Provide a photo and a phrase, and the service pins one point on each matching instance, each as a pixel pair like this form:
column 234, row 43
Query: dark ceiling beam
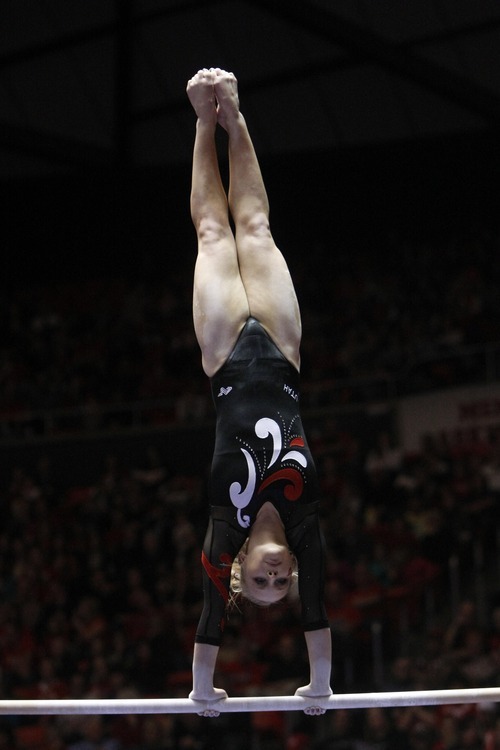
column 361, row 42
column 60, row 44
column 304, row 71
column 454, row 33
column 106, row 30
column 99, row 31
column 53, row 149
column 123, row 40
column 63, row 151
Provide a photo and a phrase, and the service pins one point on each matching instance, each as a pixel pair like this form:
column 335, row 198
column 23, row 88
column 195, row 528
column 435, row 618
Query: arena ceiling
column 102, row 82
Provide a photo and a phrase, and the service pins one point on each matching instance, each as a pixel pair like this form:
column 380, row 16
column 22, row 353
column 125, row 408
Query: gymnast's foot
column 200, row 91
column 226, row 94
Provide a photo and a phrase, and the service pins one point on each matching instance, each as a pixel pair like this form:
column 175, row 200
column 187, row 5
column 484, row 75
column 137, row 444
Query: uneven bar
column 249, row 704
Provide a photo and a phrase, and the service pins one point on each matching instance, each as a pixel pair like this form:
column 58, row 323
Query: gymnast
column 264, row 522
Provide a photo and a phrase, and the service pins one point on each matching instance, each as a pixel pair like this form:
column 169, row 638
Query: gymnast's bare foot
column 226, row 94
column 200, row 91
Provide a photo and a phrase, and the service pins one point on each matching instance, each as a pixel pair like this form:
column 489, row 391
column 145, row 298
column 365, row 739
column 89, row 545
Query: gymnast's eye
column 281, row 582
column 260, row 581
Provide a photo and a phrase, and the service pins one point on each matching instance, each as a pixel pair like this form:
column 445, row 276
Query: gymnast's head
column 265, row 569
column 264, row 573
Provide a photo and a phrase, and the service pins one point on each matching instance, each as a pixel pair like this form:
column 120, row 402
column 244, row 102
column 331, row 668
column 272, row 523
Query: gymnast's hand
column 308, row 692
column 209, row 696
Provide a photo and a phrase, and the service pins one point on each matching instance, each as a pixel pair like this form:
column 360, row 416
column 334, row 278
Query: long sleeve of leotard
column 307, row 544
column 222, row 543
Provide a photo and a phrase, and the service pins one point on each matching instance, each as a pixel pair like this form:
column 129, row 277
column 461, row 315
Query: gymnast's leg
column 220, row 305
column 264, row 272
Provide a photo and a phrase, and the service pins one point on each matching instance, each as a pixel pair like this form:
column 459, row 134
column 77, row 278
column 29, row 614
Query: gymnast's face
column 267, row 572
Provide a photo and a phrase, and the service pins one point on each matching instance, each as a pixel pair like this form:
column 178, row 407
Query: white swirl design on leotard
column 240, row 498
column 295, row 456
column 265, row 427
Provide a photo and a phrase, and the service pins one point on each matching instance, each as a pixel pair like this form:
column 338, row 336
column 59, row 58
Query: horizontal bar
column 248, row 704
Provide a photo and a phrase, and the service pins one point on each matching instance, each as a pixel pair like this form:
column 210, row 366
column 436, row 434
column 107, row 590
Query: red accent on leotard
column 215, row 574
column 293, row 490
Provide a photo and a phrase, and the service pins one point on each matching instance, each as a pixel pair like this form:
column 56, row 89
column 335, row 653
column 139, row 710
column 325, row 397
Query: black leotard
column 260, row 455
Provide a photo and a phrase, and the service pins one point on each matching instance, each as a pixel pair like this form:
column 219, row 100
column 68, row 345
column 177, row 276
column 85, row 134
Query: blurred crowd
column 101, row 584
column 101, row 593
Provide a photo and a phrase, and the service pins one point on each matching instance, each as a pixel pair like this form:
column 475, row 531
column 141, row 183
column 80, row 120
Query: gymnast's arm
column 319, row 649
column 308, row 544
column 204, row 660
column 222, row 543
